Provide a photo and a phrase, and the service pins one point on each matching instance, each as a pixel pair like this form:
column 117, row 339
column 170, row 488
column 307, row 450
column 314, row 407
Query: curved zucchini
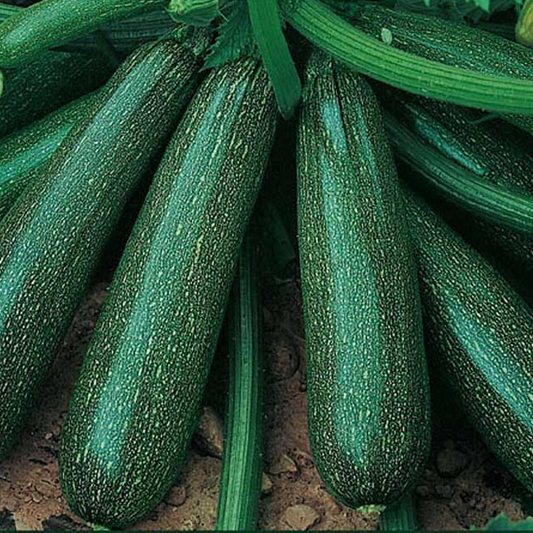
column 51, row 23
column 240, row 485
column 368, row 394
column 478, row 334
column 452, row 44
column 137, row 401
column 54, row 80
column 53, row 237
column 22, row 154
column 454, row 133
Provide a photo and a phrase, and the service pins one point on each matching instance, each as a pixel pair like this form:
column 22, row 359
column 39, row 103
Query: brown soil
column 462, row 486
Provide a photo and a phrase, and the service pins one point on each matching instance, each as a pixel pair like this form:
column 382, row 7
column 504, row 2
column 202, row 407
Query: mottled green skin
column 453, row 44
column 51, row 241
column 368, row 397
column 478, row 333
column 480, row 148
column 23, row 153
column 138, row 397
column 52, row 23
column 52, row 81
column 448, row 42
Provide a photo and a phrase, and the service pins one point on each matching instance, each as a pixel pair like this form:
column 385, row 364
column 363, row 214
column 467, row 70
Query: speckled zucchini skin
column 51, row 241
column 52, row 81
column 23, row 153
column 52, row 23
column 137, row 400
column 478, row 333
column 368, row 396
column 479, row 147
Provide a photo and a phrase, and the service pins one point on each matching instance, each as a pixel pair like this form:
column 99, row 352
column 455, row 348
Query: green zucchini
column 240, row 485
column 52, row 81
column 368, row 393
column 51, row 23
column 53, row 237
column 125, row 35
column 137, row 400
column 481, row 198
column 444, row 41
column 452, row 44
column 478, row 333
column 454, row 133
column 23, row 153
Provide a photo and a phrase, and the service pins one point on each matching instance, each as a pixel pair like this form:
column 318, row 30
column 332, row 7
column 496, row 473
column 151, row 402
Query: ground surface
column 462, row 485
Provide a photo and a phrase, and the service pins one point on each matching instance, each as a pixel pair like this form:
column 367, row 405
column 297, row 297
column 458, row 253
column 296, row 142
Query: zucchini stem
column 401, row 516
column 274, row 50
column 240, row 485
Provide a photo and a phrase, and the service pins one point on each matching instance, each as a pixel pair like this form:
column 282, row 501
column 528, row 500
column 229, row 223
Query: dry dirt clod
column 266, row 485
column 450, row 462
column 300, row 517
column 444, row 491
column 176, row 496
column 209, row 436
column 283, row 465
column 423, row 491
column 282, row 359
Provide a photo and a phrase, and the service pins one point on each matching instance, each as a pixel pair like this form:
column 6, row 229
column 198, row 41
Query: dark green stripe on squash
column 478, row 333
column 52, row 240
column 368, row 395
column 138, row 397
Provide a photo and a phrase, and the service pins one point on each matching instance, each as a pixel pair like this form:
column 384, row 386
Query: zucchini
column 138, row 397
column 446, row 177
column 474, row 147
column 23, row 153
column 451, row 44
column 368, row 393
column 240, row 485
column 54, row 80
column 478, row 333
column 51, row 23
column 53, row 237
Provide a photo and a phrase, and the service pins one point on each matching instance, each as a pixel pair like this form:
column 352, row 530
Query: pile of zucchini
column 415, row 233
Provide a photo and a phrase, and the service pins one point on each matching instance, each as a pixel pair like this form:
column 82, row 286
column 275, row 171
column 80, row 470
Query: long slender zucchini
column 368, row 394
column 240, row 485
column 51, row 23
column 23, row 153
column 480, row 197
column 454, row 134
column 452, row 44
column 125, row 35
column 52, row 81
column 138, row 397
column 53, row 237
column 478, row 334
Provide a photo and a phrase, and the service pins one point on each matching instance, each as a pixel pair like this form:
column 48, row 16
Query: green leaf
column 502, row 523
column 235, row 35
column 268, row 32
